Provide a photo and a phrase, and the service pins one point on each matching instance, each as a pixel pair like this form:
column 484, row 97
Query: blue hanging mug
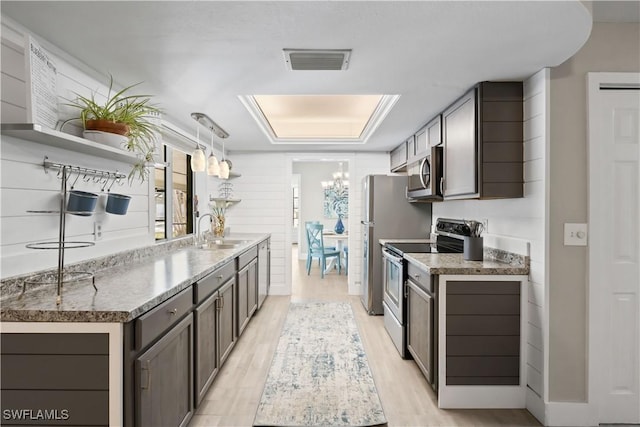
column 81, row 203
column 117, row 204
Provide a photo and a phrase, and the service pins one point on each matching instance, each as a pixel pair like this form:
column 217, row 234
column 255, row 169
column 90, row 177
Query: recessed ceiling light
column 319, row 119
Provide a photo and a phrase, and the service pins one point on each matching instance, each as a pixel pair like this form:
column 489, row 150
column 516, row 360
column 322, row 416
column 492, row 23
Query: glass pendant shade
column 224, row 170
column 198, row 160
column 212, row 165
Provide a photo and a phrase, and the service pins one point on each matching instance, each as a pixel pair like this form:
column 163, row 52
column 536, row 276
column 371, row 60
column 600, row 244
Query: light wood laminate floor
column 406, row 397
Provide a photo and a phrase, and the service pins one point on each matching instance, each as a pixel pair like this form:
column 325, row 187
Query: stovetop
column 410, row 247
column 450, row 234
column 442, row 247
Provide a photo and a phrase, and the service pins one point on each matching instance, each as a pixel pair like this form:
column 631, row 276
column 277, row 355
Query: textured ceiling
column 201, row 55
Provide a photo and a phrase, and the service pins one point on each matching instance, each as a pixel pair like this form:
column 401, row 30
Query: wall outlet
column 97, row 230
column 575, row 234
column 485, row 225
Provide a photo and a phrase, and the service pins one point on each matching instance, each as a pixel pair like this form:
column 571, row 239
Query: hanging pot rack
column 65, row 171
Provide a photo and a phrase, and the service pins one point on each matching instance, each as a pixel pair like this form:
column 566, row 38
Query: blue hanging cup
column 81, row 202
column 117, row 204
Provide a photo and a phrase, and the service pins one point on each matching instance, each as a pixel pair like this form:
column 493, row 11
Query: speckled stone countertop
column 124, row 292
column 455, row 264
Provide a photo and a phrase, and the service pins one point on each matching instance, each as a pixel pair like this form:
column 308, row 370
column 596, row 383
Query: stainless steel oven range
column 450, row 234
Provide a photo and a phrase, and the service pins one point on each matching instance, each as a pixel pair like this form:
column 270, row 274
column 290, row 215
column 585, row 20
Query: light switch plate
column 575, row 234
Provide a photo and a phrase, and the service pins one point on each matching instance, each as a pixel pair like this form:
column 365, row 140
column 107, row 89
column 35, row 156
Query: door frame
column 597, row 229
column 348, row 159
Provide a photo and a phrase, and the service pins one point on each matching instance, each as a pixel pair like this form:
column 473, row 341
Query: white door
column 614, row 246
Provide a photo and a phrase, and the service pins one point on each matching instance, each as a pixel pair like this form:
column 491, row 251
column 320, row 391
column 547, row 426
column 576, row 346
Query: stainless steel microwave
column 425, row 176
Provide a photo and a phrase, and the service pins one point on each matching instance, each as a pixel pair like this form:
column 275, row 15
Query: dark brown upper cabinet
column 429, row 136
column 398, row 158
column 483, row 143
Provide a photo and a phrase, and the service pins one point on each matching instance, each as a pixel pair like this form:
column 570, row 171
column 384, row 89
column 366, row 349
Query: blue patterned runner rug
column 319, row 375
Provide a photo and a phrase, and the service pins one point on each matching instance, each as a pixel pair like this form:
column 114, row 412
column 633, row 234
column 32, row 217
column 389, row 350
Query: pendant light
column 224, row 166
column 212, row 162
column 198, row 158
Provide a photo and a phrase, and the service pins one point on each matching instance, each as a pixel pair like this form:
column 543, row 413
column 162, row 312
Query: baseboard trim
column 569, row 414
column 279, row 289
column 535, row 405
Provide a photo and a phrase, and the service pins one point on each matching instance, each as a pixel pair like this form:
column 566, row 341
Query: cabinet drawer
column 420, row 277
column 207, row 285
column 246, row 257
column 151, row 324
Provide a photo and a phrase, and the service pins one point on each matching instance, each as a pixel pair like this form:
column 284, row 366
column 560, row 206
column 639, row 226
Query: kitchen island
column 145, row 346
column 474, row 349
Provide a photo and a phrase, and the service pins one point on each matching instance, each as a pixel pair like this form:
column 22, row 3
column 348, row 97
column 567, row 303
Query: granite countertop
column 124, row 292
column 455, row 264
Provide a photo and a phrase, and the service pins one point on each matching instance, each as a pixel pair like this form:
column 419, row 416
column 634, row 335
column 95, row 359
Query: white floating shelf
column 224, row 203
column 43, row 135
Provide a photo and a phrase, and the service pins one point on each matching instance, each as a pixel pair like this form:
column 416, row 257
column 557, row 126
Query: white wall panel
column 26, row 186
column 265, row 191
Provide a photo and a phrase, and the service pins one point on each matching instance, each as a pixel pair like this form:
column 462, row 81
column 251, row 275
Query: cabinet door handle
column 173, row 312
column 146, row 368
column 416, row 275
column 442, row 186
column 222, row 302
column 421, row 173
column 220, row 276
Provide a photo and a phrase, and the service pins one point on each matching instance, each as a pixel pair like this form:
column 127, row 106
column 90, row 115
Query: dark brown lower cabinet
column 55, row 379
column 243, row 297
column 252, row 288
column 247, row 294
column 171, row 356
column 483, row 333
column 164, row 379
column 226, row 320
column 420, row 328
column 206, row 355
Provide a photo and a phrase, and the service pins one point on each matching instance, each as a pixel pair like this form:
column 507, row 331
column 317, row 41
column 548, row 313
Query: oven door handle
column 394, row 259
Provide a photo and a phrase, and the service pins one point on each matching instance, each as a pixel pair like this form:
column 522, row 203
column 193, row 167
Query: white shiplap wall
column 25, row 185
column 524, row 219
column 265, row 190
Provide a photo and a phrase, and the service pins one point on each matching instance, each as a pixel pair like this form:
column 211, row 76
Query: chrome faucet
column 199, row 230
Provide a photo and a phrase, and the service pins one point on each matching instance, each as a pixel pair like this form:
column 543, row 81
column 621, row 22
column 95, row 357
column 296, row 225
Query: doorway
column 317, row 198
column 614, row 246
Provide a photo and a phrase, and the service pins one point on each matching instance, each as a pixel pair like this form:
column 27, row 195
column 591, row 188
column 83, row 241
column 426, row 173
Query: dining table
column 331, row 237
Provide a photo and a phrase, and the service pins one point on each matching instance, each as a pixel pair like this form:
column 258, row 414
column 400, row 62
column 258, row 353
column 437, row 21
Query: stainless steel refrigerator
column 386, row 215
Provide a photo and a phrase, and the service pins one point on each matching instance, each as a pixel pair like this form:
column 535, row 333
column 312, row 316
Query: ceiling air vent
column 317, row 59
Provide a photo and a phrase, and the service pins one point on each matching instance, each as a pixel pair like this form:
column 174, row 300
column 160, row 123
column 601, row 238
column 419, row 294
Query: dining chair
column 316, row 249
column 345, row 249
column 306, row 223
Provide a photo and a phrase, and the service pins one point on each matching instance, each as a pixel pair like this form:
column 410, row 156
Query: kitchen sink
column 222, row 244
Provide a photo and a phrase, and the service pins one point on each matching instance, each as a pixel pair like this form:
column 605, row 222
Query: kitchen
column 558, row 371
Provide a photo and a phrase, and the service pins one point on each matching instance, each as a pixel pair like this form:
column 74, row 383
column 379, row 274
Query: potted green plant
column 122, row 113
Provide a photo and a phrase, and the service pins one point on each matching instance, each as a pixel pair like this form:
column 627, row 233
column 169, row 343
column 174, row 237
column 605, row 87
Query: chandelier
column 340, row 181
